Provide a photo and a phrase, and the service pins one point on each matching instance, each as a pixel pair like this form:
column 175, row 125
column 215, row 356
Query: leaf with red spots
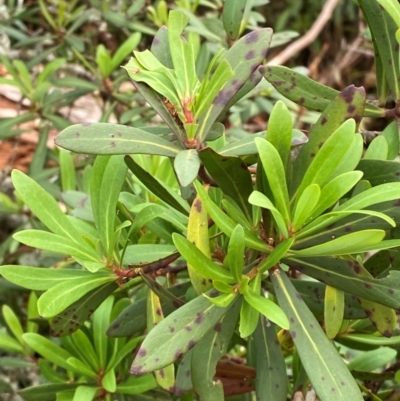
column 76, row 314
column 176, row 334
column 254, row 47
column 206, row 354
column 232, row 176
column 113, row 139
column 270, row 364
column 386, row 48
column 133, row 318
column 350, row 276
column 305, row 91
column 348, row 104
column 184, row 375
column 382, row 317
column 328, row 373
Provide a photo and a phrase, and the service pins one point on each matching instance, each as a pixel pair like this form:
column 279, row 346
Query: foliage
column 278, row 249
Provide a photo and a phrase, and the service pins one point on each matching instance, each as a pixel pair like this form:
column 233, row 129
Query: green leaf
column 187, row 165
column 225, row 223
column 231, row 175
column 107, row 178
column 232, row 16
column 75, row 315
column 48, row 350
column 280, row 129
column 197, row 233
column 10, row 344
column 334, row 190
column 85, row 393
column 81, row 367
column 244, row 57
column 46, row 392
column 39, row 278
column 113, row 139
column 378, row 149
column 333, row 311
column 357, row 242
column 142, row 254
column 259, row 199
column 248, row 319
column 275, row 172
column 372, row 360
column 391, row 134
column 328, row 156
column 349, row 276
column 160, row 47
column 348, row 104
column 276, row 255
column 137, row 385
column 200, row 262
column 180, row 332
column 267, row 308
column 157, row 187
column 379, row 171
column 125, row 49
column 305, row 91
column 308, row 200
column 235, row 255
column 13, row 323
column 324, row 366
column 371, row 339
column 206, row 354
column 383, row 30
column 34, row 196
column 269, row 363
column 183, row 56
column 53, row 242
column 64, row 294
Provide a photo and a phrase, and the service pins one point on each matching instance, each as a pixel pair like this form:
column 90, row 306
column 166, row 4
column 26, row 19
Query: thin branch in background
column 309, row 37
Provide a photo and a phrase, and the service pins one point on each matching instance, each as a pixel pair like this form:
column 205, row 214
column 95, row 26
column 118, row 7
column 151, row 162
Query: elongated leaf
column 160, row 47
column 232, row 16
column 183, row 375
column 275, row 172
column 105, row 186
column 235, row 255
column 371, row 360
column 40, row 279
column 46, row 392
column 349, row 276
column 197, row 233
column 268, row 308
column 156, row 187
column 379, row 171
column 180, row 332
column 269, row 363
column 133, row 318
column 113, row 139
column 391, row 134
column 276, row 255
column 206, row 354
column 328, row 157
column 333, row 311
column 348, row 104
column 52, row 242
column 139, row 385
column 62, row 295
column 254, row 47
column 200, row 262
column 10, row 344
column 225, row 223
column 357, row 242
column 383, row 317
column 324, row 366
column 75, row 315
column 308, row 200
column 305, row 91
column 187, row 165
column 34, row 196
column 378, row 149
column 249, row 317
column 143, row 254
column 232, row 176
column 383, row 30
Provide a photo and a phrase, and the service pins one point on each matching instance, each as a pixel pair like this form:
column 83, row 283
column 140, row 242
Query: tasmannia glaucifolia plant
column 276, row 249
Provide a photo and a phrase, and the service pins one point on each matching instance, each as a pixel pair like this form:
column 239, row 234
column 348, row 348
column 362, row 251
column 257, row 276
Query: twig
column 309, row 37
